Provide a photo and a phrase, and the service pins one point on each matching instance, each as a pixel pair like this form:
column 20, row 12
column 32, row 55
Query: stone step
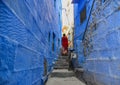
column 60, row 67
column 79, row 70
column 61, row 62
column 63, row 57
column 57, row 74
column 62, row 73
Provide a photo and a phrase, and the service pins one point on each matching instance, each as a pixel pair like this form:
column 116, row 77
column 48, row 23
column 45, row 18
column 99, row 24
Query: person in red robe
column 64, row 44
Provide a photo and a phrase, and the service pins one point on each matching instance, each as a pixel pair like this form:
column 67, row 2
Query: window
column 45, row 67
column 53, row 42
column 53, row 46
column 58, row 42
column 49, row 37
column 83, row 15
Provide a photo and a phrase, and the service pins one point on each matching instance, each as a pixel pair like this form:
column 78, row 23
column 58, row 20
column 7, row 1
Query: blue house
column 97, row 40
column 82, row 11
column 30, row 37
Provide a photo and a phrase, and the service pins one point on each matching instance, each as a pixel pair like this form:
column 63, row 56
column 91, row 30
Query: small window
column 58, row 42
column 45, row 67
column 53, row 46
column 53, row 43
column 49, row 37
column 83, row 15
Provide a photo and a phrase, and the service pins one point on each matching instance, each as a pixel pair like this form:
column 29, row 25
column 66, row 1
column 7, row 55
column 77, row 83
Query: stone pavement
column 63, row 77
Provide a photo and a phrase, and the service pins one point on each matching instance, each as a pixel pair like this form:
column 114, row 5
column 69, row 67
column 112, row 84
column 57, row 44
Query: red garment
column 65, row 42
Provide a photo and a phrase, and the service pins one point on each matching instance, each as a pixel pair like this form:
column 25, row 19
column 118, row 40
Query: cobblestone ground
column 63, row 77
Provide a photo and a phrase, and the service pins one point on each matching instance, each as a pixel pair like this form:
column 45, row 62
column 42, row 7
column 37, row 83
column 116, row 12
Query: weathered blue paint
column 24, row 30
column 80, row 27
column 101, row 43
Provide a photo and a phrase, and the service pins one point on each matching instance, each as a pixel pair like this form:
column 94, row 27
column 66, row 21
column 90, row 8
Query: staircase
column 61, row 75
column 62, row 63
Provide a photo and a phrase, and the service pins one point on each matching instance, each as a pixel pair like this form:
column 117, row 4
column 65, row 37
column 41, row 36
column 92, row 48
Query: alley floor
column 63, row 77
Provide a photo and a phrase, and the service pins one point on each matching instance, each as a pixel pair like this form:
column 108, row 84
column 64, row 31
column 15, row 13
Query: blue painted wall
column 25, row 26
column 101, row 43
column 79, row 28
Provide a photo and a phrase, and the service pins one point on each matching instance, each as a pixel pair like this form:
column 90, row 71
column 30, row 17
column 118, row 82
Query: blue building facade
column 97, row 40
column 30, row 37
column 80, row 26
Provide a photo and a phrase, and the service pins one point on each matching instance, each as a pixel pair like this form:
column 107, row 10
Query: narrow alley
column 59, row 42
